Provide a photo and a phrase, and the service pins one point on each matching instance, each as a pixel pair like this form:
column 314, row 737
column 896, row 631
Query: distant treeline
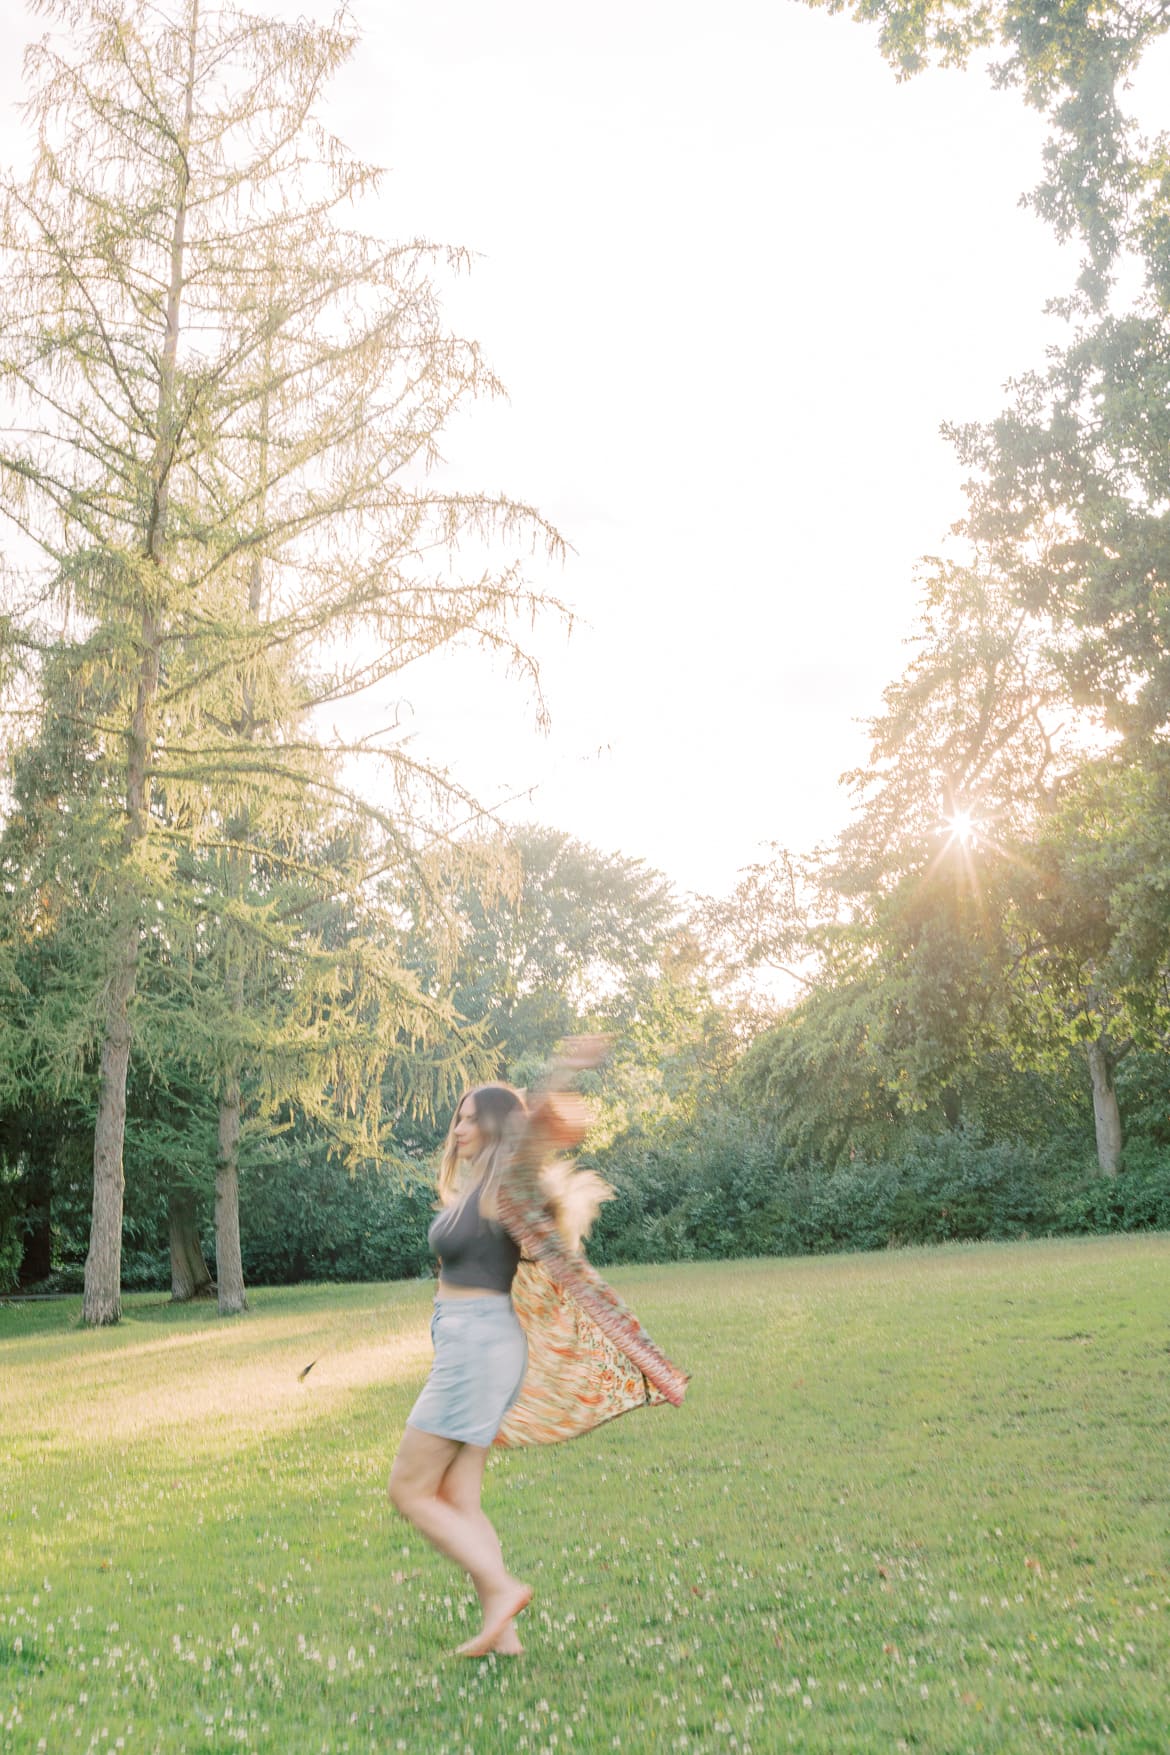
column 723, row 1188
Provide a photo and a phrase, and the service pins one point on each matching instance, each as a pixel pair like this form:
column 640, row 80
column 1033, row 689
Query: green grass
column 913, row 1501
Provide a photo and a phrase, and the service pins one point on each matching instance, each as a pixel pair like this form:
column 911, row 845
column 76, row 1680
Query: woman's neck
column 473, row 1172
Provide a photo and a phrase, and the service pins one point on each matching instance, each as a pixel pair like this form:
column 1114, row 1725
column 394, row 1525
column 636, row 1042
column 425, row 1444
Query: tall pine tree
column 223, row 401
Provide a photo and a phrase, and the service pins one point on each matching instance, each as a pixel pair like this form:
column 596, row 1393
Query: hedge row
column 725, row 1194
column 716, row 1195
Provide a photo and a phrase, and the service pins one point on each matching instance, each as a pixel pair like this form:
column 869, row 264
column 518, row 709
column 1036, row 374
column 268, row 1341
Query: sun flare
column 961, row 827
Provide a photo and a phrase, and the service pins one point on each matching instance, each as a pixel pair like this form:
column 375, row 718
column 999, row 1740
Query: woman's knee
column 422, row 1460
column 401, row 1491
column 456, row 1497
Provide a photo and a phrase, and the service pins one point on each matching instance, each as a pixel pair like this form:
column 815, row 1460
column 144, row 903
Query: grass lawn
column 914, row 1501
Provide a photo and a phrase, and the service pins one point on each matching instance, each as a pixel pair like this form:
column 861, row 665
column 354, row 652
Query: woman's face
column 468, row 1137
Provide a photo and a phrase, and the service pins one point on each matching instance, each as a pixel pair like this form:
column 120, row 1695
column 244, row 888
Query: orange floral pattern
column 589, row 1358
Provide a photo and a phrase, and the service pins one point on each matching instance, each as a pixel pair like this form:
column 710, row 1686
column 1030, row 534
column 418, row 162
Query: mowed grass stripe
column 914, row 1500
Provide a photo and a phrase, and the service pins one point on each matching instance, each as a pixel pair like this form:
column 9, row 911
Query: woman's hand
column 555, row 1109
column 578, row 1054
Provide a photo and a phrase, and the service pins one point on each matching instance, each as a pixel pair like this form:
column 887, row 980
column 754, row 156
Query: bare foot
column 498, row 1610
column 508, row 1644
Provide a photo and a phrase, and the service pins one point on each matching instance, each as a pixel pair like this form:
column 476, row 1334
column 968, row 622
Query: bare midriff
column 443, row 1290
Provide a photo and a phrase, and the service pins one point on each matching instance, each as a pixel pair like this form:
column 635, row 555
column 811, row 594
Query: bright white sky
column 734, row 277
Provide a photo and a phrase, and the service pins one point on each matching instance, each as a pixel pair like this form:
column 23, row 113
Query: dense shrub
column 11, row 1228
column 1137, row 1199
column 715, row 1191
column 729, row 1190
column 953, row 1186
column 700, row 1194
column 304, row 1218
column 312, row 1221
column 1143, row 1088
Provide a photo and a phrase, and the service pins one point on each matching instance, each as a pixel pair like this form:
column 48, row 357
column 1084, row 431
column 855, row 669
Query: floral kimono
column 589, row 1358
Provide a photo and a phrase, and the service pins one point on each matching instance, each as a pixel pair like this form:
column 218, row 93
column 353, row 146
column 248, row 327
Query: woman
column 480, row 1359
column 591, row 1358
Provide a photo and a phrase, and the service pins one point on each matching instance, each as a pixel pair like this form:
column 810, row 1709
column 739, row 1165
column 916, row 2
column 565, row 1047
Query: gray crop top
column 473, row 1251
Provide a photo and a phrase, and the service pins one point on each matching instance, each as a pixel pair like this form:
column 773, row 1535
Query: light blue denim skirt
column 481, row 1356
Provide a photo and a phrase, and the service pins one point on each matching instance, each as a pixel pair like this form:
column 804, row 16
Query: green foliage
column 306, row 1216
column 1143, row 1081
column 1072, row 63
column 1068, row 499
column 169, row 1142
column 722, row 1188
column 311, row 1221
column 818, row 1080
column 563, row 934
column 1137, row 1199
column 673, row 1047
column 11, row 1228
column 732, row 1190
column 577, row 941
column 1001, row 895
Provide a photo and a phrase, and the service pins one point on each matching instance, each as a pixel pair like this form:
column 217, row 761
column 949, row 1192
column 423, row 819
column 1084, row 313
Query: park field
column 914, row 1501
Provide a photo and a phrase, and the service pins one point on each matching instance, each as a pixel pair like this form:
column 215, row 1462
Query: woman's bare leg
column 422, row 1461
column 462, row 1486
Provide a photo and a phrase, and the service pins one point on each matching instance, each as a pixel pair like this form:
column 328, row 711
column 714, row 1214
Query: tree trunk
column 229, row 1265
column 1106, row 1112
column 190, row 1275
column 103, row 1263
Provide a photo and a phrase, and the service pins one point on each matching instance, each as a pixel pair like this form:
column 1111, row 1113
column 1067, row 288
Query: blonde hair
column 495, row 1106
column 574, row 1197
